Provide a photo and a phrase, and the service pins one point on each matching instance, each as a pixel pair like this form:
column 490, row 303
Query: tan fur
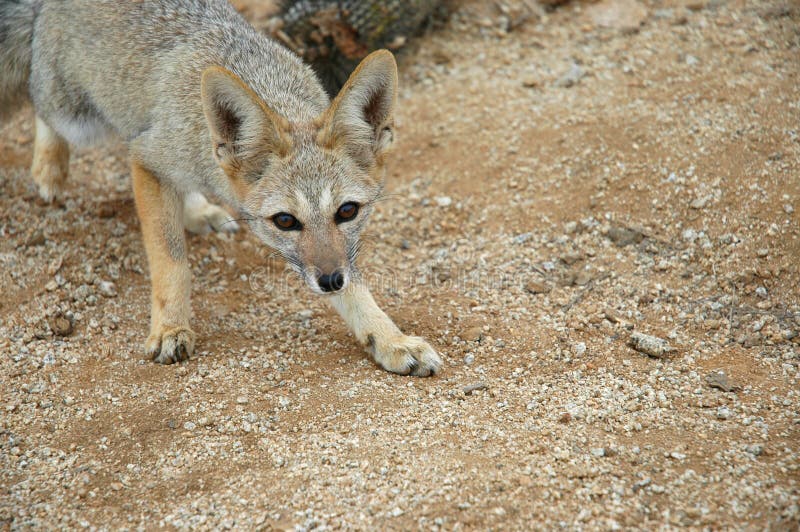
column 50, row 161
column 160, row 212
column 209, row 106
column 338, row 128
column 266, row 133
column 392, row 350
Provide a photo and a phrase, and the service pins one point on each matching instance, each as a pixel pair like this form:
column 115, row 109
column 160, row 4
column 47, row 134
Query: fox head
column 307, row 189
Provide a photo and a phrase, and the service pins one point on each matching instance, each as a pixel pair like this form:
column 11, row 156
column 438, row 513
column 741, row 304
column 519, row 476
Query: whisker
column 238, row 220
column 387, row 197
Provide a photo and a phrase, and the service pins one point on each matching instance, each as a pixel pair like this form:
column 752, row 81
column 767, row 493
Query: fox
column 209, row 107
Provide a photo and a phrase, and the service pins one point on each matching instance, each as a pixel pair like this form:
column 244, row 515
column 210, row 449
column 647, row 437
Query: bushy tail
column 16, row 34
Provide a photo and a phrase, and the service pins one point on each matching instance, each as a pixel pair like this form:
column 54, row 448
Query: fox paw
column 170, row 345
column 405, row 355
column 208, row 217
column 49, row 179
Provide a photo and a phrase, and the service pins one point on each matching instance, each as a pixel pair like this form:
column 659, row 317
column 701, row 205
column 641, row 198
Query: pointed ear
column 361, row 117
column 245, row 132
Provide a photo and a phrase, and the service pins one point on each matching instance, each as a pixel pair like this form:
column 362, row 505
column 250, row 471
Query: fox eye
column 286, row 222
column 346, row 212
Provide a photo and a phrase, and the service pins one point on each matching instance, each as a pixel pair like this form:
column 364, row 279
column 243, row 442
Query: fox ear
column 361, row 117
column 244, row 130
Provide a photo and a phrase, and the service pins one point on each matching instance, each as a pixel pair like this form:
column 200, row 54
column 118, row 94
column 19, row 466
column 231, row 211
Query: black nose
column 332, row 282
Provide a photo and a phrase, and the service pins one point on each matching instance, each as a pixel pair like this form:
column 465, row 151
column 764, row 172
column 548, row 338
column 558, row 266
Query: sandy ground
column 558, row 185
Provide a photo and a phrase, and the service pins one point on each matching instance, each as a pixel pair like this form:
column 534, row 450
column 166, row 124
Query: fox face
column 306, row 189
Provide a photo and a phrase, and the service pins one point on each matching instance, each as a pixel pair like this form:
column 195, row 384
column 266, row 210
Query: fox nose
column 331, row 282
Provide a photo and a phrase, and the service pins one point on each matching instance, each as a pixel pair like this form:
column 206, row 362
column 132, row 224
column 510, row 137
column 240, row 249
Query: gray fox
column 208, row 106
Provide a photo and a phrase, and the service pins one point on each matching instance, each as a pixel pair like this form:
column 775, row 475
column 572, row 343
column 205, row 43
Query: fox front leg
column 160, row 213
column 391, row 349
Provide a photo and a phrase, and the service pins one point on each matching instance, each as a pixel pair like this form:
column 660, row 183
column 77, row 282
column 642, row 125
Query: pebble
column 107, row 288
column 536, row 287
column 700, row 203
column 444, row 201
column 473, row 334
column 36, row 239
column 624, row 236
column 62, row 324
column 470, row 388
column 604, row 440
column 723, row 412
column 522, row 238
column 755, row 449
column 571, row 76
column 720, row 380
column 650, row 345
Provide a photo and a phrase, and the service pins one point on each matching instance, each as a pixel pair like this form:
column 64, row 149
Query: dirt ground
column 561, row 181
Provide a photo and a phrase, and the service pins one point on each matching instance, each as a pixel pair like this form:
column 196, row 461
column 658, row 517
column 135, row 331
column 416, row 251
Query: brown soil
column 525, row 158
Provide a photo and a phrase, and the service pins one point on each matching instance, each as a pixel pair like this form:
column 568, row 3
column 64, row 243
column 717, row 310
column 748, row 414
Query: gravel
column 281, row 422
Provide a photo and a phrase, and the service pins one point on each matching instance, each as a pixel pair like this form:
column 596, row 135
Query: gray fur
column 135, row 69
column 16, row 36
column 153, row 72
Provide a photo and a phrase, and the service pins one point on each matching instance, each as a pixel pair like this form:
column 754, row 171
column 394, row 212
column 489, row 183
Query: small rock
column 36, row 239
column 474, row 387
column 579, row 349
column 571, row 77
column 55, row 265
column 61, row 324
column 700, row 203
column 536, row 287
column 189, row 425
column 565, row 418
column 788, row 209
column 624, row 236
column 650, row 345
column 106, row 210
column 583, row 278
column 598, row 451
column 530, row 83
column 718, row 379
column 469, row 359
column 724, row 412
column 242, row 400
column 696, row 5
column 444, row 201
column 473, row 334
column 522, row 238
column 755, row 449
column 107, row 288
column 624, row 15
